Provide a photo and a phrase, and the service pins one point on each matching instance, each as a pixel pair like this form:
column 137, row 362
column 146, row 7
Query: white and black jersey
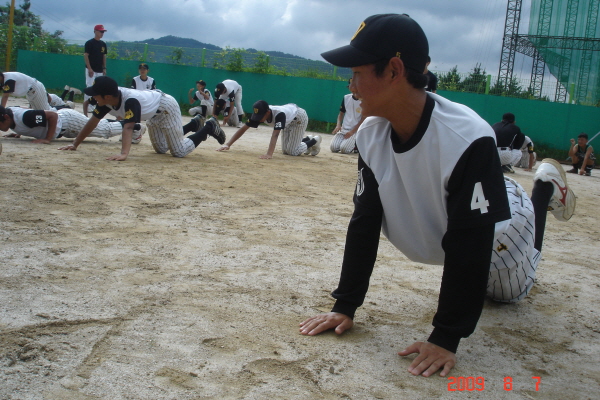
column 134, row 105
column 438, row 198
column 352, row 112
column 204, row 101
column 140, row 84
column 280, row 117
column 16, row 83
column 31, row 122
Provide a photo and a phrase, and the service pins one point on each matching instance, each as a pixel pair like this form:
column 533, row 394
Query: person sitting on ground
column 143, row 81
column 60, row 102
column 348, row 122
column 528, row 156
column 582, row 155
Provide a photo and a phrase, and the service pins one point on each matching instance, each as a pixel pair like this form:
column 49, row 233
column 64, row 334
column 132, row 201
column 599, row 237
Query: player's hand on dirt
column 120, row 157
column 223, row 148
column 266, row 156
column 527, row 169
column 43, row 141
column 15, row 135
column 430, row 359
column 69, row 147
column 322, row 322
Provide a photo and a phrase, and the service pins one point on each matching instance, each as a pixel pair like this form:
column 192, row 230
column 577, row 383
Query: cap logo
column 398, row 54
column 255, row 110
column 360, row 28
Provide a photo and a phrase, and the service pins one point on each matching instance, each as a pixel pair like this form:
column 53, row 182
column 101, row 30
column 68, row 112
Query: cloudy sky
column 461, row 33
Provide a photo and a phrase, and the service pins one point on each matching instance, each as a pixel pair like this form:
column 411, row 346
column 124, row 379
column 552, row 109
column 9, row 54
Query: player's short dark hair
column 416, row 79
column 4, row 112
column 508, row 117
column 583, row 135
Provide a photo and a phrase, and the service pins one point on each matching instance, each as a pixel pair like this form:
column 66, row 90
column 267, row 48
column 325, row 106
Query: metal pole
column 11, row 18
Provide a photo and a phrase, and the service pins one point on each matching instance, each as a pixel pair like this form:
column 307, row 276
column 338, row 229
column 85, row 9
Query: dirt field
column 167, row 278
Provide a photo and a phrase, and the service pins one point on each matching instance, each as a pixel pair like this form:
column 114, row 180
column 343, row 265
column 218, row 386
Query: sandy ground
column 167, row 278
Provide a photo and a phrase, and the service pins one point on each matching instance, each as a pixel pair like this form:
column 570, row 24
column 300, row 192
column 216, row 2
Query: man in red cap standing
column 95, row 61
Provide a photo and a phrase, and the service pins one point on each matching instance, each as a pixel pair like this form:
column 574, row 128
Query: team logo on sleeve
column 6, row 88
column 360, row 183
column 278, row 126
column 129, row 114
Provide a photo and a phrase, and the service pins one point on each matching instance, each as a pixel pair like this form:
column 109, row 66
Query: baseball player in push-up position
column 290, row 119
column 429, row 176
column 160, row 111
column 18, row 84
column 46, row 125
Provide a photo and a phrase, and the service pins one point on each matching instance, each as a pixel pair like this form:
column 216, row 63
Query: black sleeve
column 34, row 118
column 279, row 122
column 100, row 111
column 231, row 96
column 133, row 84
column 343, row 106
column 133, row 111
column 477, row 200
column 362, row 242
column 9, row 86
column 153, row 84
column 195, row 96
column 252, row 124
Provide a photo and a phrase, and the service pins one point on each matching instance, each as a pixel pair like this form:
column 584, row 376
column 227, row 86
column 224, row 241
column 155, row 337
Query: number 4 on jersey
column 478, row 200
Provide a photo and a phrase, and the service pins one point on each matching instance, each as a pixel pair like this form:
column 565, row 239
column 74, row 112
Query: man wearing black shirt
column 95, row 61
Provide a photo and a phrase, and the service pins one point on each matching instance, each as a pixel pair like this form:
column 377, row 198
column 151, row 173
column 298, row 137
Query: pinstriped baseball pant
column 165, row 129
column 74, row 121
column 514, row 259
column 338, row 143
column 37, row 96
column 292, row 134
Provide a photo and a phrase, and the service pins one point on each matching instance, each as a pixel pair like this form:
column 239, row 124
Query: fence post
column 145, row 56
column 268, row 62
column 334, row 71
column 571, row 93
column 203, row 54
column 488, row 81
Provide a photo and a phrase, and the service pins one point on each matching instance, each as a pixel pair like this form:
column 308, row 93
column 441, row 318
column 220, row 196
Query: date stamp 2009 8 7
column 470, row 383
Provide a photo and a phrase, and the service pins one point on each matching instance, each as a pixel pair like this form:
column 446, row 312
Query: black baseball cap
column 219, row 89
column 143, row 65
column 381, row 37
column 259, row 109
column 103, row 86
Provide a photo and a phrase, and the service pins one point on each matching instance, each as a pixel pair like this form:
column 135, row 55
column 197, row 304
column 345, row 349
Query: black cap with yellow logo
column 103, row 86
column 382, row 37
column 259, row 109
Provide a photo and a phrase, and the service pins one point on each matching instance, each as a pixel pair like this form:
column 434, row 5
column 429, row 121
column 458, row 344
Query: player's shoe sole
column 137, row 135
column 316, row 148
column 216, row 131
column 562, row 204
column 75, row 90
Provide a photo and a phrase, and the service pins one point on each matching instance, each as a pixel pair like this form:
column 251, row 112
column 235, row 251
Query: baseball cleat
column 562, row 204
column 307, row 152
column 316, row 148
column 137, row 134
column 200, row 120
column 216, row 131
column 70, row 104
column 67, row 88
column 75, row 90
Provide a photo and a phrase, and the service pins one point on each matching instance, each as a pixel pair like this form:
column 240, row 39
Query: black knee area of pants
column 540, row 197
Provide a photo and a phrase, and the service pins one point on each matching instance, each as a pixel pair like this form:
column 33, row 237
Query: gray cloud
column 461, row 33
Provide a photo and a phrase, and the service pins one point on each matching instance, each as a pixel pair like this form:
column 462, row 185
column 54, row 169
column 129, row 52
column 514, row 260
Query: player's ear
column 396, row 68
